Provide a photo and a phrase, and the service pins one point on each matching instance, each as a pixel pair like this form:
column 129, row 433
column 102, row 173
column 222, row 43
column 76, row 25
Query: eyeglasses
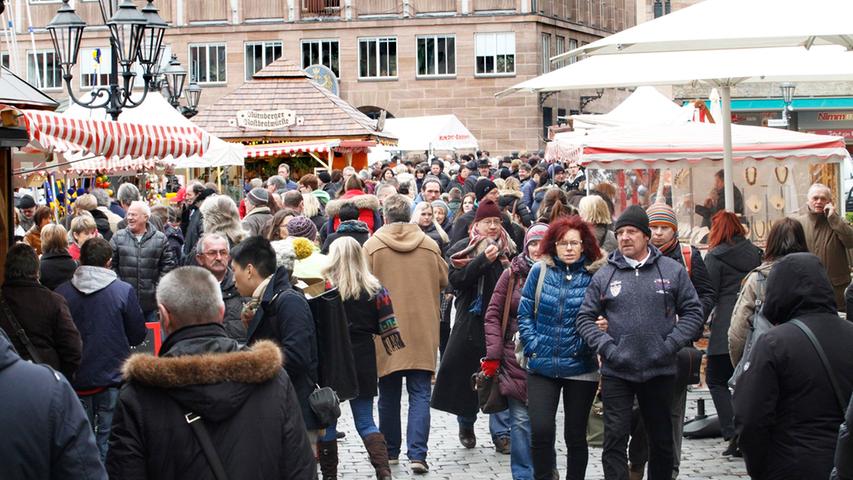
column 491, row 222
column 216, row 253
column 572, row 243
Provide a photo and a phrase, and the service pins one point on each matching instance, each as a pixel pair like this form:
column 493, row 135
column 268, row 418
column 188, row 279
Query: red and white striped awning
column 52, row 132
column 277, row 149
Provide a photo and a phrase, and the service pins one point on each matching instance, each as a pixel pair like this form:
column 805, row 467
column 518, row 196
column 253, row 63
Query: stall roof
column 17, row 92
column 437, row 132
column 282, row 86
column 645, row 106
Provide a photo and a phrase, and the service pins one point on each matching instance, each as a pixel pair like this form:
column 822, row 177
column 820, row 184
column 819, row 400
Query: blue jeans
column 99, row 408
column 362, row 415
column 521, row 463
column 499, row 423
column 419, row 386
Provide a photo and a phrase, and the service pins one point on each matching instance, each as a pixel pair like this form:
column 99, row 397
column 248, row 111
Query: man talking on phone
column 828, row 236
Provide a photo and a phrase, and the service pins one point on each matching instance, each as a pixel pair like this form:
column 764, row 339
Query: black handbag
column 326, row 405
column 336, row 367
column 689, row 365
column 489, row 396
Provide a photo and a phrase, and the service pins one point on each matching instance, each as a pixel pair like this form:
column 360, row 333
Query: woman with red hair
column 731, row 257
column 559, row 361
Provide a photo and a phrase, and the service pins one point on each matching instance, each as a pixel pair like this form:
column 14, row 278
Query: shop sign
column 825, row 120
column 453, row 136
column 834, row 132
column 266, row 119
column 834, row 116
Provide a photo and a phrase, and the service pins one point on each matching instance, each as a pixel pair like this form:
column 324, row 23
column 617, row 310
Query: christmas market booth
column 283, row 116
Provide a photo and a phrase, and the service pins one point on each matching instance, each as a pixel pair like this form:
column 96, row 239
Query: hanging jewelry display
column 681, row 177
column 751, row 175
column 754, row 203
column 781, row 174
column 778, row 202
column 760, row 230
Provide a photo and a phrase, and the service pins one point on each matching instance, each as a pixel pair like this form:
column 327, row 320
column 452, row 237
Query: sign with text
column 266, row 119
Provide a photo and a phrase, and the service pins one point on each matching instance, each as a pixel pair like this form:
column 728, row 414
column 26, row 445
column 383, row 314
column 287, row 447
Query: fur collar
column 258, row 364
column 511, row 193
column 591, row 267
column 362, row 202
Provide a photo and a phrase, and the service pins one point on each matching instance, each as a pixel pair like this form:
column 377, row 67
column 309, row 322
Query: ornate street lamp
column 788, row 98
column 134, row 37
column 193, row 94
column 175, row 76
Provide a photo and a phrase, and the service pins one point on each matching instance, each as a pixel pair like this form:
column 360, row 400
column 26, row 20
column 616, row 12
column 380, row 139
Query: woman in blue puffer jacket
column 559, row 361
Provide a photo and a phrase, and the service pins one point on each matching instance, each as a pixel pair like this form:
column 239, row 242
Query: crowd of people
column 425, row 274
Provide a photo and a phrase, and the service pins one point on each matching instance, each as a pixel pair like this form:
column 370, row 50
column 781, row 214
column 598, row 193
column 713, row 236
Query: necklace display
column 752, row 175
column 781, row 175
column 760, row 229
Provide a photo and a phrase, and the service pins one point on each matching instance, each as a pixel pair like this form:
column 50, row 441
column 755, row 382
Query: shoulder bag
column 519, row 345
column 19, row 331
column 489, row 395
column 197, row 425
column 826, row 365
column 758, row 326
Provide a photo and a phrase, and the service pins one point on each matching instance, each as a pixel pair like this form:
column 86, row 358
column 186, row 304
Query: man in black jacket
column 241, row 398
column 213, row 255
column 787, row 411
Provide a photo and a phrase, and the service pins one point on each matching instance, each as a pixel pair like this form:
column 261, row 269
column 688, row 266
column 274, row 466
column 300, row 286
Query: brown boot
column 327, row 453
column 378, row 452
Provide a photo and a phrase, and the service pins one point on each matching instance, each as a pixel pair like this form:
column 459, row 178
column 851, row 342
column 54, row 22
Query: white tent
column 439, row 132
column 643, row 106
column 156, row 108
column 726, row 24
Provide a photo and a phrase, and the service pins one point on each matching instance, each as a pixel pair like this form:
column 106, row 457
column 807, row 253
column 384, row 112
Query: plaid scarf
column 477, row 244
column 388, row 329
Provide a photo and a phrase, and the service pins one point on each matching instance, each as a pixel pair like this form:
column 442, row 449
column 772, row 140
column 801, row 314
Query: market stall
column 281, row 115
column 430, row 134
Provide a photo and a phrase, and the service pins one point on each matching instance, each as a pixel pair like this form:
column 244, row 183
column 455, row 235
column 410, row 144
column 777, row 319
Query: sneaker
column 502, row 445
column 393, row 461
column 419, row 467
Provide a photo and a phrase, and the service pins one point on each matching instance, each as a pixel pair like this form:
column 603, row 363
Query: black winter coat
column 285, row 318
column 727, row 265
column 786, row 413
column 103, row 223
column 242, row 395
column 350, row 228
column 233, row 322
column 45, row 317
column 467, row 342
column 142, row 263
column 56, row 268
column 46, row 434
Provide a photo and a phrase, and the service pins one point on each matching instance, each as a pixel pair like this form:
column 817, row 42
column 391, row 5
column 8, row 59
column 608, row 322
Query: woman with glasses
column 476, row 264
column 559, row 361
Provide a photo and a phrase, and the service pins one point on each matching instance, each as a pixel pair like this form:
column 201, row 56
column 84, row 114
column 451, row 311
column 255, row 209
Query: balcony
column 321, row 8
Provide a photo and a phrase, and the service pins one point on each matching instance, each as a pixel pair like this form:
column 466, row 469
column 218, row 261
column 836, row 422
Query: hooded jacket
column 368, row 210
column 641, row 306
column 786, row 412
column 46, row 433
column 142, row 263
column 255, row 220
column 728, row 264
column 243, row 396
column 56, row 268
column 107, row 315
column 408, row 263
column 349, row 228
column 551, row 339
column 510, row 200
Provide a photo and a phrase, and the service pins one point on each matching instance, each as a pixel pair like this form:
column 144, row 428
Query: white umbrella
column 734, row 24
column 718, row 68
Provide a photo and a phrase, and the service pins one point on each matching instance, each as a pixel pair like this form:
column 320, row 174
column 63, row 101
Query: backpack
column 758, row 325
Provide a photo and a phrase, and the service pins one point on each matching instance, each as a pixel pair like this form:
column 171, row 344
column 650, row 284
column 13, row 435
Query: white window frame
column 573, row 45
column 208, row 47
column 546, row 52
column 435, row 39
column 491, row 42
column 8, row 59
column 43, row 2
column 560, row 46
column 42, row 70
column 263, row 44
column 103, row 75
column 321, row 48
column 379, row 41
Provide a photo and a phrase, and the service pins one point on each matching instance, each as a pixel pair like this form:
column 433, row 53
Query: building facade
column 407, row 57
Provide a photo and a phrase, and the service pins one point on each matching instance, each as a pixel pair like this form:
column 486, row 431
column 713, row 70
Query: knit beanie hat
column 662, row 214
column 26, row 202
column 324, row 177
column 482, row 187
column 302, row 226
column 535, row 232
column 634, row 216
column 259, row 196
column 442, row 204
column 487, row 209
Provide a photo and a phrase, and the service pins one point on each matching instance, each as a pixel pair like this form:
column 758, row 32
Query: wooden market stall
column 281, row 115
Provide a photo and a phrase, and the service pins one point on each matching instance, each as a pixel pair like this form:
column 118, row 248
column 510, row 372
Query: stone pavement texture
column 701, row 459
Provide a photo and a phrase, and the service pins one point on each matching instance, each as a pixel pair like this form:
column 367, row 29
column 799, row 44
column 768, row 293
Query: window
column 321, row 52
column 561, row 48
column 437, row 56
column 207, row 63
column 42, row 70
column 573, row 45
column 546, row 52
column 561, row 116
column 4, row 59
column 377, row 57
column 495, row 53
column 547, row 120
column 259, row 55
column 95, row 66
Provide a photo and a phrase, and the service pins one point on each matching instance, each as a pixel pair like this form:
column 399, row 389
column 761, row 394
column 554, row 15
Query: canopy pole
column 728, row 167
column 219, row 178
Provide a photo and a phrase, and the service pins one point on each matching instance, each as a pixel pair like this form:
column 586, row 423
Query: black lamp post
column 787, row 97
column 134, row 37
column 175, row 77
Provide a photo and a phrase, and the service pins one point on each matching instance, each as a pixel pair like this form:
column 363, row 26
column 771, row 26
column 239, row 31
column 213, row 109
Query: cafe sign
column 266, row 119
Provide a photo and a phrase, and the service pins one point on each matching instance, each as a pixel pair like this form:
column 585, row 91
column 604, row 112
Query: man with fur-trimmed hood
column 241, row 397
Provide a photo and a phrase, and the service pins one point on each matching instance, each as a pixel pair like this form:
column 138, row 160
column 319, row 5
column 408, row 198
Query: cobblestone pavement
column 701, row 459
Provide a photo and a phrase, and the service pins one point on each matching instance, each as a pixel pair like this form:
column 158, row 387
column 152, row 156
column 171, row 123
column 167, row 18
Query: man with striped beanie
column 664, row 226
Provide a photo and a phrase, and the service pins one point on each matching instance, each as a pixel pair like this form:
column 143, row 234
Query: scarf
column 477, row 244
column 388, row 328
column 669, row 246
column 250, row 307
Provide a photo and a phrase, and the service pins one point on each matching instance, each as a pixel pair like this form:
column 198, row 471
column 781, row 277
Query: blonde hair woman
column 220, row 215
column 83, row 227
column 56, row 266
column 424, row 218
column 594, row 211
column 370, row 313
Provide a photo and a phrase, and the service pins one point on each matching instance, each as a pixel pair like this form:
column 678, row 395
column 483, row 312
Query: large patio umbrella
column 718, row 68
column 734, row 24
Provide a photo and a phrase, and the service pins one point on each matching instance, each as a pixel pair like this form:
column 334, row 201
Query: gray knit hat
column 259, row 196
